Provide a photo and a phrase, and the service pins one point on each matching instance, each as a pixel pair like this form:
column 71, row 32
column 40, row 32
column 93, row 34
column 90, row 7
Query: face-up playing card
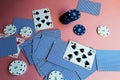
column 19, row 41
column 80, row 55
column 42, row 19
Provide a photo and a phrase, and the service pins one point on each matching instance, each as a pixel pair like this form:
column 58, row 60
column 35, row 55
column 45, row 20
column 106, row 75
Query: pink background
column 109, row 16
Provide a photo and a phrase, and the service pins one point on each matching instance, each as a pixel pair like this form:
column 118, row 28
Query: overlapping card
column 108, row 60
column 8, row 46
column 19, row 41
column 80, row 55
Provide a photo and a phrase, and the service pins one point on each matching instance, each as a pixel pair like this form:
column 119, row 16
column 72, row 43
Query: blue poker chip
column 79, row 29
column 74, row 14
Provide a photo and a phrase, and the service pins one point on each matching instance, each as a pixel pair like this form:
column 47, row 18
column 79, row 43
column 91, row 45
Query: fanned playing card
column 108, row 60
column 42, row 19
column 19, row 41
column 80, row 55
column 8, row 46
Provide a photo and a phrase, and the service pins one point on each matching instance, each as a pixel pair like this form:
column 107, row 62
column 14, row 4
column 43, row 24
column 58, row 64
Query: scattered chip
column 10, row 29
column 17, row 67
column 103, row 31
column 26, row 32
column 55, row 75
column 79, row 29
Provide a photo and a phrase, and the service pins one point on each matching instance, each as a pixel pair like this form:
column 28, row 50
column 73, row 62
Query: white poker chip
column 103, row 31
column 55, row 75
column 10, row 29
column 26, row 32
column 17, row 67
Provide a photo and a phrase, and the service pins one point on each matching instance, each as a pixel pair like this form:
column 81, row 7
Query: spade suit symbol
column 76, row 53
column 70, row 56
column 78, row 59
column 89, row 53
column 36, row 13
column 86, row 63
column 84, row 56
column 74, row 46
column 82, row 50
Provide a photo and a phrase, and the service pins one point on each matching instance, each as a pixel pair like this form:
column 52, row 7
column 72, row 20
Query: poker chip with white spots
column 26, row 32
column 70, row 16
column 74, row 14
column 55, row 75
column 17, row 67
column 10, row 29
column 79, row 29
column 103, row 31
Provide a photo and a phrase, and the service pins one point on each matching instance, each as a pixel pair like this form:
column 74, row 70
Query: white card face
column 42, row 19
column 80, row 55
column 19, row 41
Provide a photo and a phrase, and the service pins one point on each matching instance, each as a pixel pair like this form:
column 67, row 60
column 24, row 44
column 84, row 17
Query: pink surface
column 109, row 16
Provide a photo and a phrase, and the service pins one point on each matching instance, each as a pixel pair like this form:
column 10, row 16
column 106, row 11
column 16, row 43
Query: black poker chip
column 79, row 29
column 69, row 16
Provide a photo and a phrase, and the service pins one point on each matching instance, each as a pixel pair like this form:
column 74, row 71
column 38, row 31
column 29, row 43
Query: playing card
column 108, row 60
column 89, row 7
column 19, row 41
column 8, row 46
column 49, row 33
column 42, row 51
column 42, row 19
column 80, row 55
column 26, row 48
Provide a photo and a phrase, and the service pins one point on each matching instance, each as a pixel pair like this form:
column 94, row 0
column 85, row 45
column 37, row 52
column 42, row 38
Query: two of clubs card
column 42, row 19
column 80, row 55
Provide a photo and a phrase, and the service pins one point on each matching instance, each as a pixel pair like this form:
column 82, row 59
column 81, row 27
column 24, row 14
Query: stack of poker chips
column 70, row 16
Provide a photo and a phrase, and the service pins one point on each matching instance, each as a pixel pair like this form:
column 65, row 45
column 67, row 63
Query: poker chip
column 70, row 16
column 79, row 29
column 17, row 67
column 55, row 75
column 74, row 14
column 10, row 29
column 26, row 32
column 103, row 31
